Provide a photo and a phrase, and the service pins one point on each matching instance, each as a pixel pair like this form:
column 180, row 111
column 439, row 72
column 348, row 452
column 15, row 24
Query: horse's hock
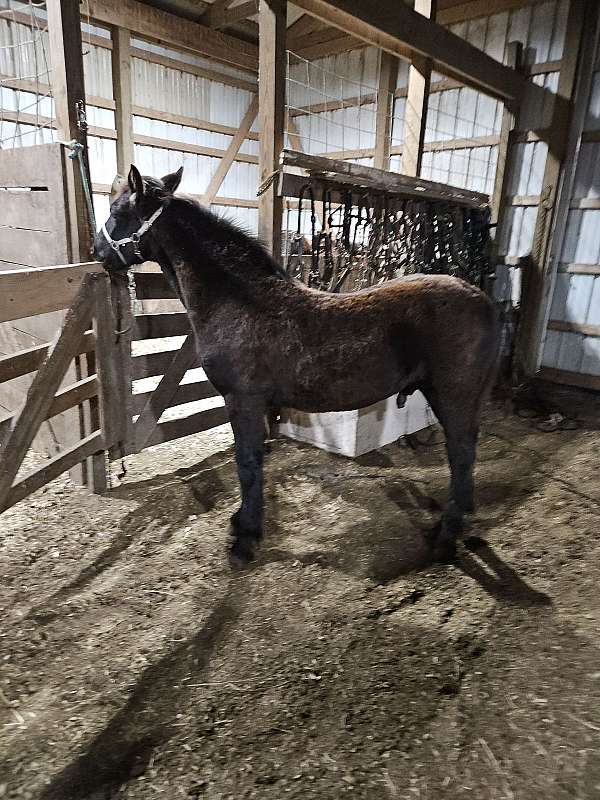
column 355, row 227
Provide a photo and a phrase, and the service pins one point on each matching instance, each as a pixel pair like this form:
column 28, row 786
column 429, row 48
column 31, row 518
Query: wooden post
column 271, row 111
column 417, row 98
column 498, row 208
column 64, row 31
column 537, row 275
column 121, row 81
column 388, row 77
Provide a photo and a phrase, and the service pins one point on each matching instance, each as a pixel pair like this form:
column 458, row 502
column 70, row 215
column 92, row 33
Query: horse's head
column 136, row 203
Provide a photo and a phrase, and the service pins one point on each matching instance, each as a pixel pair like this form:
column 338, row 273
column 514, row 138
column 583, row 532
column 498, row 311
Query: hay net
column 359, row 242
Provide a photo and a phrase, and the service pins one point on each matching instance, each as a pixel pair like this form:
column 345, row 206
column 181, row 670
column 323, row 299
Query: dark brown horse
column 267, row 341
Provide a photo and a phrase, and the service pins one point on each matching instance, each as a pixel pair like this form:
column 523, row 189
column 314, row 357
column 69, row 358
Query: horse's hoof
column 444, row 551
column 241, row 553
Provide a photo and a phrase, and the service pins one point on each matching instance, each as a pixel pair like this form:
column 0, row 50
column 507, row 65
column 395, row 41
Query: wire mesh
column 26, row 104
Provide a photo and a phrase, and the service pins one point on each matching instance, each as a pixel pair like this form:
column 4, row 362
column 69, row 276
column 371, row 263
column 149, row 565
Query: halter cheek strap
column 134, row 239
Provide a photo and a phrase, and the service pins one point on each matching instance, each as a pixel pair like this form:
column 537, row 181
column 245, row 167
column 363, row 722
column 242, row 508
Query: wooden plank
column 186, row 393
column 27, row 210
column 538, row 281
column 52, row 469
column 43, row 388
column 27, row 292
column 38, row 171
column 271, row 91
column 160, row 326
column 65, row 399
column 33, row 248
column 161, row 26
column 388, row 77
column 514, row 51
column 183, row 359
column 472, row 9
column 149, row 365
column 417, row 99
column 151, row 286
column 574, row 327
column 123, row 327
column 241, row 12
column 405, row 33
column 186, row 426
column 110, row 407
column 235, row 202
column 344, row 172
column 231, row 153
column 190, row 122
column 590, row 203
column 214, row 16
column 200, row 72
column 68, row 90
column 185, row 147
column 580, row 269
column 563, row 376
column 523, row 200
column 26, row 361
column 122, row 92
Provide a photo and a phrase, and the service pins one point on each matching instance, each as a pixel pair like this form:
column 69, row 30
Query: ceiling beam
column 161, row 26
column 401, row 31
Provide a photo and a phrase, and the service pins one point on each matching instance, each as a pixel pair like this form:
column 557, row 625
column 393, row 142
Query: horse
column 267, row 341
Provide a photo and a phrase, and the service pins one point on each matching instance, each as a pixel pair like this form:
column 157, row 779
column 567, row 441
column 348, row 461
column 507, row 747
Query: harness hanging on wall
column 370, row 237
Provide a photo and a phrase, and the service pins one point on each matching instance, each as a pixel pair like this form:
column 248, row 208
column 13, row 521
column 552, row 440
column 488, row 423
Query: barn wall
column 173, row 89
column 454, row 114
column 576, row 298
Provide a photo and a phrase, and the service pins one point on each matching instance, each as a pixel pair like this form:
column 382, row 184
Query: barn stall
column 135, row 663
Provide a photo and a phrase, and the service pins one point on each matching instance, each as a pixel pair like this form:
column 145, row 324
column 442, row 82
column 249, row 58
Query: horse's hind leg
column 459, row 416
column 246, row 415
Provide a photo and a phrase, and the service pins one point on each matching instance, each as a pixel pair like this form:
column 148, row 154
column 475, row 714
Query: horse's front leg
column 246, row 414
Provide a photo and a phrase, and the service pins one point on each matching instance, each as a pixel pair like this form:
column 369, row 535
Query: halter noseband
column 134, row 239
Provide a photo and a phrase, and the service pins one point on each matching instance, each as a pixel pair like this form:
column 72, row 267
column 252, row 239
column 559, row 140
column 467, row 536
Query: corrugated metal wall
column 576, row 299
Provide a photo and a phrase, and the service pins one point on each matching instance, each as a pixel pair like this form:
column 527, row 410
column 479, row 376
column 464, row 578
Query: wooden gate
column 89, row 328
column 125, row 391
column 149, row 404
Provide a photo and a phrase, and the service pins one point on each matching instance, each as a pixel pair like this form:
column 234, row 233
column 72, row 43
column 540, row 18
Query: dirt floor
column 134, row 664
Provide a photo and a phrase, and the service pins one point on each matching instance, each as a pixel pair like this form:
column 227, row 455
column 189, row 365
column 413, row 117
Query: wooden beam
column 472, row 9
column 417, row 98
column 538, row 278
column 271, row 105
column 388, row 78
column 230, row 154
column 215, row 13
column 161, row 26
column 64, row 33
column 28, row 292
column 579, row 379
column 357, row 175
column 121, row 82
column 501, row 180
column 404, row 32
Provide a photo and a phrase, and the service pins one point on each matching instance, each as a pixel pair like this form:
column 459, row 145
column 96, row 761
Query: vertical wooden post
column 537, row 276
column 271, row 112
column 64, row 31
column 122, row 93
column 417, row 98
column 388, row 77
column 498, row 207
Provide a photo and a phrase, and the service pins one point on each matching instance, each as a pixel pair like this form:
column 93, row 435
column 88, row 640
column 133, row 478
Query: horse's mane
column 220, row 242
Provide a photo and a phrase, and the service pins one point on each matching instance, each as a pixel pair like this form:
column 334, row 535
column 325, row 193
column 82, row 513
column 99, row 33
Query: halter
column 134, row 239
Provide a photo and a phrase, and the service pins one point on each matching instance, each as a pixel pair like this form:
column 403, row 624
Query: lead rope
column 75, row 153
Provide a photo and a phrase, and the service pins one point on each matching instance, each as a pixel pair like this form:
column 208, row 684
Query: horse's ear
column 119, row 185
column 136, row 182
column 172, row 180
